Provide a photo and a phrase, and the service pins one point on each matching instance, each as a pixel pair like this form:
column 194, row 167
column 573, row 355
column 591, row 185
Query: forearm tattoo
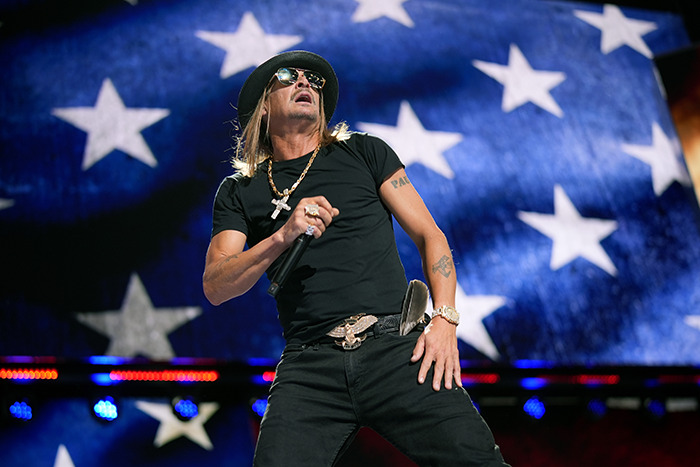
column 229, row 258
column 443, row 266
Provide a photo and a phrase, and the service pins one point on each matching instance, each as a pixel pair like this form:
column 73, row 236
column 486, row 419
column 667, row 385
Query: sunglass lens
column 287, row 76
column 314, row 79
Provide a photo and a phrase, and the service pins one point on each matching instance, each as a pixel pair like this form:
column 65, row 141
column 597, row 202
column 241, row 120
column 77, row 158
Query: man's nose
column 302, row 81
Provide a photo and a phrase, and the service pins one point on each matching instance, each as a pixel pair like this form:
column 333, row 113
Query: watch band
column 450, row 313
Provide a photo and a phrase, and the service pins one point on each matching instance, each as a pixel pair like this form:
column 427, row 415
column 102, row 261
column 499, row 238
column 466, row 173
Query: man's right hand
column 315, row 211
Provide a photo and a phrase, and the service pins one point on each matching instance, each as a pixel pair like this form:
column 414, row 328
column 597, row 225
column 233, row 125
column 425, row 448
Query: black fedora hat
column 258, row 80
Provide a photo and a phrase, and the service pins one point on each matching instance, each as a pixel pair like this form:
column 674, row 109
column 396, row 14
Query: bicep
column 404, row 202
column 225, row 244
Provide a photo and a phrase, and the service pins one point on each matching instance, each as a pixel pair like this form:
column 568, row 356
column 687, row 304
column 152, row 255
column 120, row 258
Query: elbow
column 213, row 300
column 433, row 236
column 217, row 294
column 210, row 292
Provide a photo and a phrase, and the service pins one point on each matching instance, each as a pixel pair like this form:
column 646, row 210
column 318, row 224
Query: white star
column 138, row 328
column 414, row 143
column 369, row 10
column 618, row 30
column 63, row 458
column 473, row 309
column 6, row 203
column 171, row 427
column 522, row 84
column 110, row 125
column 662, row 157
column 693, row 321
column 248, row 47
column 571, row 234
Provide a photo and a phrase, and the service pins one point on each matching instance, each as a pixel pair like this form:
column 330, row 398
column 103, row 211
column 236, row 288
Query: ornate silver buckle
column 349, row 330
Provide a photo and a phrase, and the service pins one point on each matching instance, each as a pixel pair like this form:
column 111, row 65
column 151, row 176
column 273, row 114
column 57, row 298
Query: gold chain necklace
column 282, row 203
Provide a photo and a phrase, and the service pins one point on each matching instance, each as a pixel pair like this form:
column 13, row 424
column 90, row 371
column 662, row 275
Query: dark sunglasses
column 289, row 76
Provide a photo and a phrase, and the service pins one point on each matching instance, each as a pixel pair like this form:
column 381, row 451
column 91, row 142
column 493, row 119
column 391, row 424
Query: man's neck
column 293, row 145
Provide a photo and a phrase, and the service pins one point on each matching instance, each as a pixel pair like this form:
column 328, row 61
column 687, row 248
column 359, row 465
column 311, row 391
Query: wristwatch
column 450, row 313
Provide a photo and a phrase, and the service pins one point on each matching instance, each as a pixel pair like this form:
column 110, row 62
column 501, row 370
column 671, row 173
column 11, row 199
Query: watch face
column 449, row 313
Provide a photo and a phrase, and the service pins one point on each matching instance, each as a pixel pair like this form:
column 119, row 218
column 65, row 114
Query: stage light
column 597, row 408
column 21, row 410
column 476, row 406
column 259, row 406
column 28, row 374
column 533, row 383
column 185, row 408
column 472, row 379
column 534, row 407
column 532, row 364
column 263, row 379
column 180, row 376
column 106, row 409
column 681, row 404
column 655, row 408
column 624, row 403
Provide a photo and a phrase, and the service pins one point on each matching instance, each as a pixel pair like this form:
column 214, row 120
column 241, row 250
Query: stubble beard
column 307, row 116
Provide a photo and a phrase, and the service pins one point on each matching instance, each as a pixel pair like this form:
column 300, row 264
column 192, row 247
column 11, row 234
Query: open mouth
column 304, row 97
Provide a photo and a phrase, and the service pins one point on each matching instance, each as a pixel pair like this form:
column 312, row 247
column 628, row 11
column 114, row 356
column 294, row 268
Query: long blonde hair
column 253, row 146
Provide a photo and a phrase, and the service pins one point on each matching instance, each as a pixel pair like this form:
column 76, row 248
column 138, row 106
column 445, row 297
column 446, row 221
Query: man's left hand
column 438, row 345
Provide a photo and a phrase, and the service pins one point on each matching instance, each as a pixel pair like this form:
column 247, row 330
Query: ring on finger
column 311, row 210
column 310, row 229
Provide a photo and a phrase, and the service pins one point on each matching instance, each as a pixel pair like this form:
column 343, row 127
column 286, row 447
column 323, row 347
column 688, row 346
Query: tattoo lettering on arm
column 443, row 266
column 230, row 258
column 400, row 182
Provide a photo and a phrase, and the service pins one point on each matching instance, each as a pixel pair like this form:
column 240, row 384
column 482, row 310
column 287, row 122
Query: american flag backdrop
column 536, row 131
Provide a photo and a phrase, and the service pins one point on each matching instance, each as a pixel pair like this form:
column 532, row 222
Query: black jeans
column 322, row 395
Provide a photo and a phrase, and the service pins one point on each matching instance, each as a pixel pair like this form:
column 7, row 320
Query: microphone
column 295, row 251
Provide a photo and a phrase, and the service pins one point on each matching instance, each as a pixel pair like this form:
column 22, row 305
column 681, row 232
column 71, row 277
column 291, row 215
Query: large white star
column 413, row 143
column 522, row 84
column 6, row 203
column 618, row 30
column 248, row 47
column 171, row 427
column 573, row 236
column 666, row 166
column 111, row 125
column 138, row 328
column 369, row 10
column 63, row 458
column 693, row 321
column 473, row 309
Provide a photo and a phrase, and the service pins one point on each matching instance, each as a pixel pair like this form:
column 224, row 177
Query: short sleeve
column 227, row 211
column 380, row 158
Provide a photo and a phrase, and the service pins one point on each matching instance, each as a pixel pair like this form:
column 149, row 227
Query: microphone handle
column 289, row 263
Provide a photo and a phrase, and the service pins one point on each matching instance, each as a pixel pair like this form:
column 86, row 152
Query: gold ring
column 311, row 210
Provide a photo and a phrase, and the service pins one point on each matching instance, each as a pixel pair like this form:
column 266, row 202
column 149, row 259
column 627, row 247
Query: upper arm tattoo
column 399, row 182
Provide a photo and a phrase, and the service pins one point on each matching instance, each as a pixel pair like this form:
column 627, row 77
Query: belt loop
column 377, row 330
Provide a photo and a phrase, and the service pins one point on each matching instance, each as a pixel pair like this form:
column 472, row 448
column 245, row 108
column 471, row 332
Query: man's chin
column 306, row 116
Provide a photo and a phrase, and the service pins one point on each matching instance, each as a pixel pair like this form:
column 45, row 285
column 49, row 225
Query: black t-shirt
column 354, row 267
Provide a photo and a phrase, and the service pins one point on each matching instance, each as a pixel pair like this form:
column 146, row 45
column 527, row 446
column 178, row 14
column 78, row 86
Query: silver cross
column 280, row 204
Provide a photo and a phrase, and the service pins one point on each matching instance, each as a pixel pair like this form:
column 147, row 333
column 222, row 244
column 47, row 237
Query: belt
column 356, row 329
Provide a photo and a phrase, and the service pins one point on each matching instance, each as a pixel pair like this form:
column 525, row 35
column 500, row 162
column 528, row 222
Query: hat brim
column 255, row 84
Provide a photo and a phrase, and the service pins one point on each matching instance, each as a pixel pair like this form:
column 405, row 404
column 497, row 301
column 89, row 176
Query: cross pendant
column 280, row 204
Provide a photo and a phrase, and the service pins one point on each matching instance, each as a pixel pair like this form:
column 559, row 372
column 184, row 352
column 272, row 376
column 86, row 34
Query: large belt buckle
column 349, row 330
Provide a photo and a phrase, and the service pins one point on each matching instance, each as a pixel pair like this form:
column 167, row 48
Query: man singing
column 350, row 360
